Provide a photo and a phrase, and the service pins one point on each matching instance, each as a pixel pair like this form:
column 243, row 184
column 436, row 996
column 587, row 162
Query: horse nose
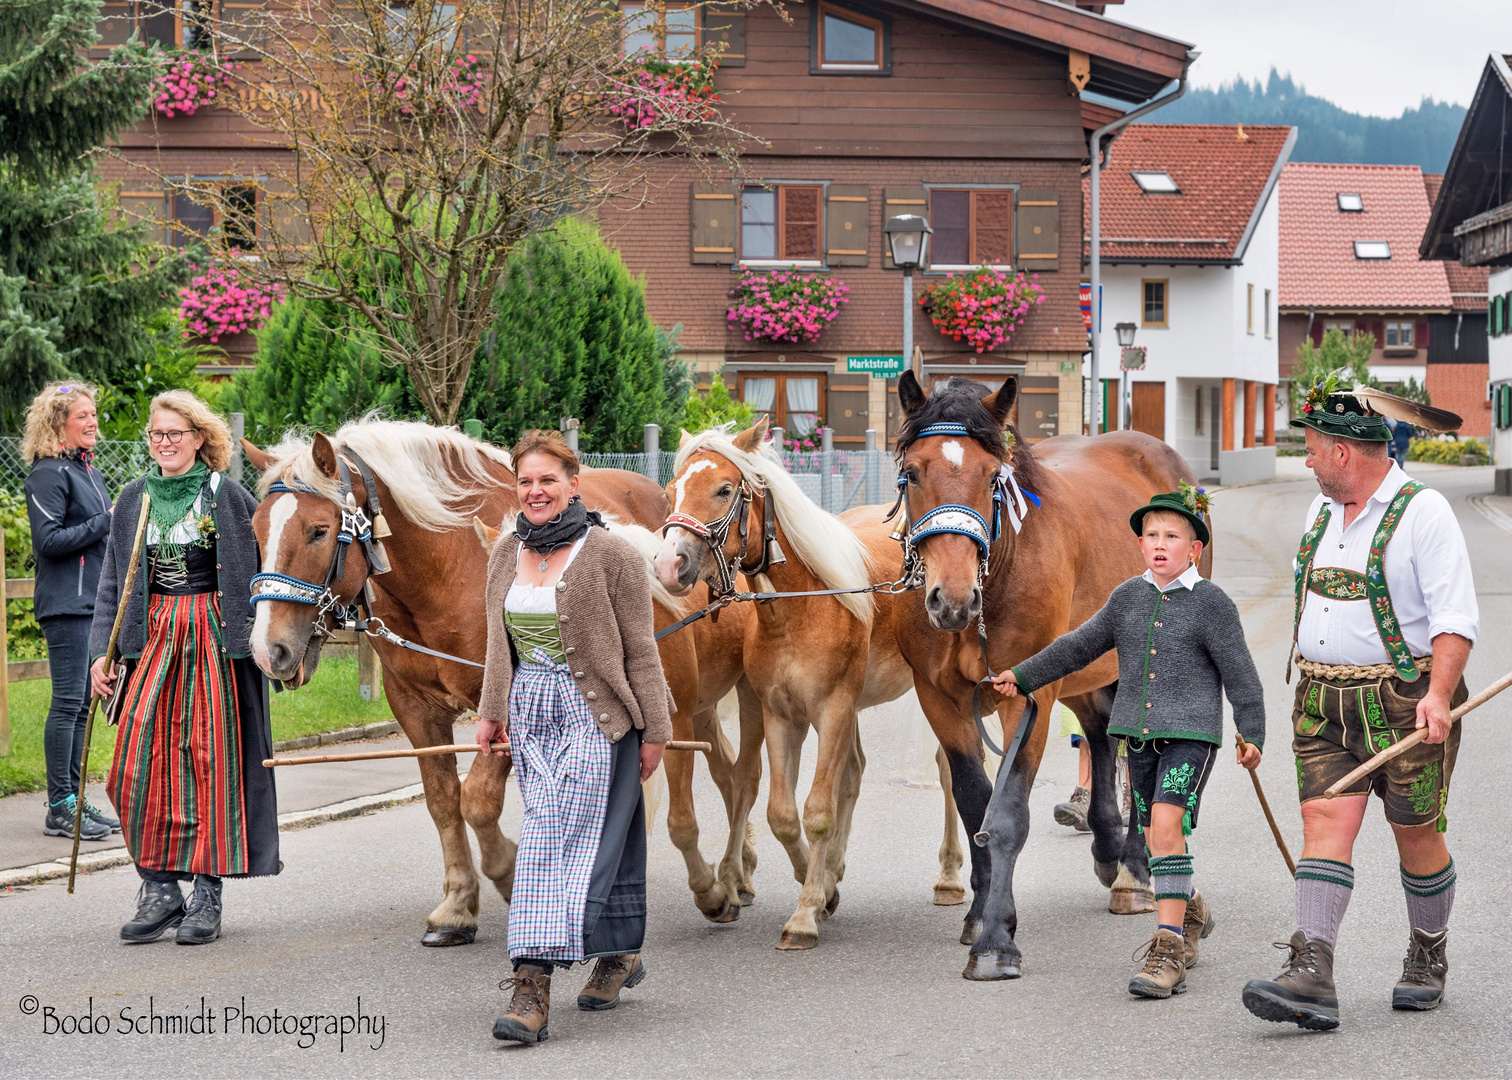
column 948, row 614
column 280, row 656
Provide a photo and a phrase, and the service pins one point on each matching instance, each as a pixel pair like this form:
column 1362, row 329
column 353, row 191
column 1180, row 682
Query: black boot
column 1303, row 994
column 160, row 907
column 1423, row 972
column 202, row 914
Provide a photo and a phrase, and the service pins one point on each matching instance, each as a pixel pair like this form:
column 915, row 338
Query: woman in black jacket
column 69, row 510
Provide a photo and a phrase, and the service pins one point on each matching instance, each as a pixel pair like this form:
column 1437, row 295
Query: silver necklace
column 542, row 567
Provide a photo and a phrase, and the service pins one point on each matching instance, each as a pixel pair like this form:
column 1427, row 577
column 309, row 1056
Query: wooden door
column 1149, row 408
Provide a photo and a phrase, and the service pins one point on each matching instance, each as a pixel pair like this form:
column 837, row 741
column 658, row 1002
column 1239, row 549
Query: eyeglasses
column 172, row 437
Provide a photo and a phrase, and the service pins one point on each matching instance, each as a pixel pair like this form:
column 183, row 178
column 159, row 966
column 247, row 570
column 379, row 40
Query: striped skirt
column 176, row 780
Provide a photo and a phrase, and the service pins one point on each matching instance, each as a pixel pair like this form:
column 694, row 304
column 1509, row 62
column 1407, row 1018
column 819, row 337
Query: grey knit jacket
column 1177, row 651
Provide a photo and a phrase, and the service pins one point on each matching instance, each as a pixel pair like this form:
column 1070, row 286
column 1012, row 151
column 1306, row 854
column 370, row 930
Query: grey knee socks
column 1323, row 889
column 1171, row 877
column 1430, row 898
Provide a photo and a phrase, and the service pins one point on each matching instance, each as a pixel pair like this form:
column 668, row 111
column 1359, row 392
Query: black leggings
column 63, row 736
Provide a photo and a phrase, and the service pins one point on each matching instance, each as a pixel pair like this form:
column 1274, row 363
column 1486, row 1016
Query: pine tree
column 76, row 290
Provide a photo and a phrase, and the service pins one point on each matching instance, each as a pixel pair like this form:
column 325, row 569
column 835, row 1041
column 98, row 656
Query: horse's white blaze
column 953, row 452
column 681, row 486
column 278, row 517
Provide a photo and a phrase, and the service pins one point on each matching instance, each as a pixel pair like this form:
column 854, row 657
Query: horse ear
column 751, row 438
column 324, row 454
column 684, row 437
column 910, row 393
column 487, row 535
column 260, row 459
column 1000, row 403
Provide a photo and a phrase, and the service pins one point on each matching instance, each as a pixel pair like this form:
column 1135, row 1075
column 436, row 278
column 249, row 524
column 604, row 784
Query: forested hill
column 1423, row 136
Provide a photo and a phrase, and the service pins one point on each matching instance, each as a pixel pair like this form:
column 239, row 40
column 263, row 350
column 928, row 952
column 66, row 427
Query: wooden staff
column 110, row 659
column 1416, row 737
column 431, row 751
column 1269, row 817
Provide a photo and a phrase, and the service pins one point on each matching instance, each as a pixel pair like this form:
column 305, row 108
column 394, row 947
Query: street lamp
column 908, row 237
column 1125, row 332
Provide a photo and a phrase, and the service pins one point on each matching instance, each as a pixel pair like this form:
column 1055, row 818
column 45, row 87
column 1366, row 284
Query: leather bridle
column 716, row 534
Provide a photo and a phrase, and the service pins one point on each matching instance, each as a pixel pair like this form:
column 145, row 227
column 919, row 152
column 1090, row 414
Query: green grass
column 328, row 703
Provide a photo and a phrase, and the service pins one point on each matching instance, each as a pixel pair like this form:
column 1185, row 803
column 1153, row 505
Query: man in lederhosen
column 1385, row 619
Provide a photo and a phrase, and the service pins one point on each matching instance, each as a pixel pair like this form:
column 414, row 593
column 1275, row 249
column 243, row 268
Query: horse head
column 950, row 450
column 710, row 525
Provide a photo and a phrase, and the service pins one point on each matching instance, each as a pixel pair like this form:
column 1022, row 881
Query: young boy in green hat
column 1180, row 646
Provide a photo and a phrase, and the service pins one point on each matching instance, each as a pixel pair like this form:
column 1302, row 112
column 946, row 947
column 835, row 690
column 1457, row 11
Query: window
column 1350, row 203
column 1267, row 313
column 848, row 41
column 1399, row 335
column 1155, row 313
column 1249, row 309
column 1198, row 427
column 667, row 31
column 191, row 219
column 188, row 221
column 1345, row 328
column 1156, row 183
column 1372, row 249
column 793, row 402
column 971, row 228
column 780, row 224
column 405, row 31
column 239, row 224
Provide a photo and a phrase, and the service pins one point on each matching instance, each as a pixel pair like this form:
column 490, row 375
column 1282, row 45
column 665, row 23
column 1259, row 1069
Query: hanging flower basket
column 982, row 307
column 458, row 86
column 653, row 91
column 220, row 302
column 190, row 82
column 785, row 305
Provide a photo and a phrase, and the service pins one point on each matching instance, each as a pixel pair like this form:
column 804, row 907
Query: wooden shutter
column 285, row 214
column 1038, row 230
column 725, row 25
column 147, row 208
column 714, row 218
column 798, row 221
column 114, row 26
column 1420, row 334
column 847, row 214
column 991, row 228
column 848, row 409
column 901, row 200
column 245, row 22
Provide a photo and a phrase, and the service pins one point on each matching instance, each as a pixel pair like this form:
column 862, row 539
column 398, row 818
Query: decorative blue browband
column 954, row 518
column 293, row 590
column 945, row 428
column 293, row 486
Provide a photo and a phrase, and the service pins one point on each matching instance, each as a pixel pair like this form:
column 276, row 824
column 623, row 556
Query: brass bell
column 380, row 526
column 775, row 557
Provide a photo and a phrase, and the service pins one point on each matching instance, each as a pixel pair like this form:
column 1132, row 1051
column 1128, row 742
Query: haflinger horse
column 402, row 495
column 1028, row 570
column 813, row 660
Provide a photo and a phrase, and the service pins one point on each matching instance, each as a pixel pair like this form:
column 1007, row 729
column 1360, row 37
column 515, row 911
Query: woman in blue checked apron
column 573, row 684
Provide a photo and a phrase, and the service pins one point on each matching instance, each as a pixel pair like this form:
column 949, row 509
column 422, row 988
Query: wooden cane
column 432, row 751
column 1269, row 817
column 110, row 659
column 1416, row 737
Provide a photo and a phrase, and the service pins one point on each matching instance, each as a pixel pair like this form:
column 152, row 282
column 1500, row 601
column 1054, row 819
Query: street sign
column 879, row 367
column 1086, row 306
column 1133, row 358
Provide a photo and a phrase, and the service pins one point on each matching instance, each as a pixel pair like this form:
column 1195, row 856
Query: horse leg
column 970, row 790
column 712, row 896
column 784, row 746
column 948, row 890
column 850, row 791
column 1093, row 710
column 455, row 920
column 995, row 955
column 822, row 818
column 482, row 804
column 739, row 863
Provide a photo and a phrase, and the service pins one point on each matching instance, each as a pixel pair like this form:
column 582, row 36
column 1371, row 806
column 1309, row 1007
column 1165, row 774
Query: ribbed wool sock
column 1323, row 890
column 1171, row 877
column 1430, row 898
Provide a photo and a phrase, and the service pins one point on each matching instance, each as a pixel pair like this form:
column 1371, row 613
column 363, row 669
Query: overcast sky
column 1368, row 56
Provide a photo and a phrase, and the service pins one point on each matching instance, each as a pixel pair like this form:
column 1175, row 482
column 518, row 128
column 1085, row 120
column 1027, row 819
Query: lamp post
column 1125, row 332
column 908, row 238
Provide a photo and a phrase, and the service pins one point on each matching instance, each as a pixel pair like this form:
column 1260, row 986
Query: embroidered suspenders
column 1340, row 584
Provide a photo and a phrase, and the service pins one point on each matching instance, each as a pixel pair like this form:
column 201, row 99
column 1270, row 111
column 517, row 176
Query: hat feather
column 1398, row 408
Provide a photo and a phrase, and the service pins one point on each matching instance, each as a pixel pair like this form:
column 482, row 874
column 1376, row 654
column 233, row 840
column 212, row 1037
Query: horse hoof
column 834, row 903
column 747, row 897
column 971, row 931
column 724, row 913
column 1131, row 901
column 991, row 966
column 441, row 937
column 1107, row 872
column 797, row 940
column 949, row 895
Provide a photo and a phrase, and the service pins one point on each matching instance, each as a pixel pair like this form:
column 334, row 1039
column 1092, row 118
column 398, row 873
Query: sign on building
column 879, row 367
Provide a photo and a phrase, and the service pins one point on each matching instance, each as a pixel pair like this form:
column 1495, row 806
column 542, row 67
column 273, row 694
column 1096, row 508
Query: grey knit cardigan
column 236, row 560
column 1177, row 651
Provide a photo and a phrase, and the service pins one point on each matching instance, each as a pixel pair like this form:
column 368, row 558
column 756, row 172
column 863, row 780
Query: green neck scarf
column 172, row 496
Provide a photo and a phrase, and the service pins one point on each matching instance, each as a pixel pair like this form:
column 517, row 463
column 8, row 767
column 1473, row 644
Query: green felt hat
column 1341, row 414
column 1188, row 501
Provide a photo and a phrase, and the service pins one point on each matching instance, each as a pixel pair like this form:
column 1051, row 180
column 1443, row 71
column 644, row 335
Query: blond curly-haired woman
column 188, row 780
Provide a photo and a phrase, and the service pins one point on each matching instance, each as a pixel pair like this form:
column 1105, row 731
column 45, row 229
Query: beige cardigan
column 605, row 617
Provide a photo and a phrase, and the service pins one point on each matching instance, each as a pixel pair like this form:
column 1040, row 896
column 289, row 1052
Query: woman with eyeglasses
column 195, row 801
column 69, row 510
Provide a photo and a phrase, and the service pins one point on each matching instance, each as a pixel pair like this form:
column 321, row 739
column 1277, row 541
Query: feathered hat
column 1360, row 412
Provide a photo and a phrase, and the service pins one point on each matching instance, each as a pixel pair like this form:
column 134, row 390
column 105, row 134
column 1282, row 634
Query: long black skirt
column 614, row 919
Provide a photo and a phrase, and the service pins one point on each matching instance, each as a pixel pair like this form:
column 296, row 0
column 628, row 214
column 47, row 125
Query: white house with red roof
column 1190, row 257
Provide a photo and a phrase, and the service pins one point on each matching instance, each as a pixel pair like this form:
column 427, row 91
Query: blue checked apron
column 562, row 761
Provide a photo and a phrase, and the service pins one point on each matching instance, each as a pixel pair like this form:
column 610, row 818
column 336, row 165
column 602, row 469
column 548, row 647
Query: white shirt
column 1188, row 579
column 1427, row 573
column 536, row 599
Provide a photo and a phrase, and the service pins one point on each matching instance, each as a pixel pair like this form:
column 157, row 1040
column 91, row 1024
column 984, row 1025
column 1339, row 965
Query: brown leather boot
column 525, row 1019
column 1304, row 991
column 1423, row 972
column 611, row 975
column 1164, row 971
column 1198, row 923
column 1073, row 812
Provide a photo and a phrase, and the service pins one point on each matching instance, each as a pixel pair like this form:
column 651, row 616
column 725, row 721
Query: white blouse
column 536, row 599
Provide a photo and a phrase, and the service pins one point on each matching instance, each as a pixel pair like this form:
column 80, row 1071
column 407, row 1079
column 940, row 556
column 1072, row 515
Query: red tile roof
column 1221, row 176
column 1318, row 265
column 1468, row 285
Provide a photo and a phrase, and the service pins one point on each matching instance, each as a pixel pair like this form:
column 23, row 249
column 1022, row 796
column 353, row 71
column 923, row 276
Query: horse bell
column 775, row 557
column 380, row 527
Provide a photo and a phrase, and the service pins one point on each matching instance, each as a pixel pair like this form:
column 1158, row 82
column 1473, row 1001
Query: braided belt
column 1348, row 672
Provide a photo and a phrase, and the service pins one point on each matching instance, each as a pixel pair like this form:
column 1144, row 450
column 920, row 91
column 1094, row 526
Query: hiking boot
column 1304, row 991
column 94, row 813
column 525, row 1019
column 1198, row 923
column 611, row 975
column 60, row 821
column 202, row 914
column 1164, row 971
column 160, row 907
column 1423, row 972
column 1074, row 812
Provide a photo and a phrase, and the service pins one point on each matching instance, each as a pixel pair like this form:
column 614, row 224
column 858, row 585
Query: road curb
column 378, row 730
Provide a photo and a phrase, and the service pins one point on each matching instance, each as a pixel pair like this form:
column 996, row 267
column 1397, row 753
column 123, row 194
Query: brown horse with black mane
column 1035, row 576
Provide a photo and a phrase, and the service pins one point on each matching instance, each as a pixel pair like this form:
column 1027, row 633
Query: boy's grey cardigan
column 235, row 562
column 1176, row 651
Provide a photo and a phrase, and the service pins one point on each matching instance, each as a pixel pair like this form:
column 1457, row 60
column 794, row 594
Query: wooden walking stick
column 110, row 659
column 1416, row 737
column 1269, row 817
column 431, row 751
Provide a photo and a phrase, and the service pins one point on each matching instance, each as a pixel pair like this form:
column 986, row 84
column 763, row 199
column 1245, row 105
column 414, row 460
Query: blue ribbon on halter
column 944, row 428
column 285, row 579
column 293, row 486
column 983, row 538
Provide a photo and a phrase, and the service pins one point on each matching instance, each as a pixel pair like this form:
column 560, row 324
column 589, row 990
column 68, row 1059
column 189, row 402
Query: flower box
column 785, row 305
column 982, row 307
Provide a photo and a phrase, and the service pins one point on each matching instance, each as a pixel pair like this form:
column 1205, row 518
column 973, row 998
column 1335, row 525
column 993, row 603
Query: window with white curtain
column 802, row 404
column 792, row 401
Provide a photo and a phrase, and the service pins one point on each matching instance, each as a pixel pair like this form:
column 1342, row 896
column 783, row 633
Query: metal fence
column 119, row 460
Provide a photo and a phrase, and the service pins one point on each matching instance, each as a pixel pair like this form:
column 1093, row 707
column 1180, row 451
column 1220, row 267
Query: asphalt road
column 881, row 995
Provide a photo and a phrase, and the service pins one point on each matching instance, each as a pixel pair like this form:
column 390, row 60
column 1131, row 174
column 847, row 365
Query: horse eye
column 912, row 474
column 725, row 490
column 319, row 533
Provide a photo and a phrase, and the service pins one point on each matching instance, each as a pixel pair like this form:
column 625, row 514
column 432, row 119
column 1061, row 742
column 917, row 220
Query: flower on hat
column 1195, row 499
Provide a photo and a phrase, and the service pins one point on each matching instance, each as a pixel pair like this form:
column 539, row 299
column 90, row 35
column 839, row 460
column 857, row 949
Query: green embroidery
column 1424, row 791
column 1139, row 804
column 1443, row 818
column 1336, row 583
column 1179, row 779
column 1381, row 739
column 1301, row 777
column 1370, row 702
column 1312, row 721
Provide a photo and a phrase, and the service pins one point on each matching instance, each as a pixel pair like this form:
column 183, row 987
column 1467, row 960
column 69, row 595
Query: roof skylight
column 1372, row 249
column 1350, row 203
column 1156, row 183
